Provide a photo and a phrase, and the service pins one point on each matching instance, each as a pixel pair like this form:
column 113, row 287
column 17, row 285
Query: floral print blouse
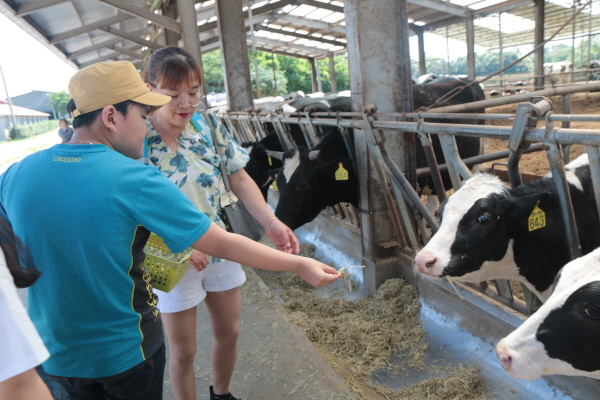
column 194, row 168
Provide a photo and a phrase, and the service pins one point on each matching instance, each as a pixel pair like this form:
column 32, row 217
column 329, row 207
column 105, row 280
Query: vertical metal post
column 191, row 37
column 421, row 45
column 274, row 74
column 313, row 74
column 501, row 49
column 539, row 39
column 10, row 106
column 566, row 109
column 256, row 77
column 448, row 52
column 380, row 74
column 573, row 39
column 557, row 168
column 234, row 50
column 332, row 76
column 319, row 83
column 594, row 157
column 471, row 73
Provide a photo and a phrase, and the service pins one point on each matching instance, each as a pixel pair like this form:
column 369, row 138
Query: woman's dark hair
column 88, row 119
column 170, row 66
column 11, row 246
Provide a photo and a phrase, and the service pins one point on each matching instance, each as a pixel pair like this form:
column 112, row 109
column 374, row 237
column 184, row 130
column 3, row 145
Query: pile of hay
column 358, row 338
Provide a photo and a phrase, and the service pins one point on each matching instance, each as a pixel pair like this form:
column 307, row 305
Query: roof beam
column 132, row 37
column 312, row 23
column 128, row 52
column 112, row 56
column 136, row 11
column 29, row 7
column 326, row 6
column 98, row 46
column 443, row 6
column 501, row 7
column 255, row 13
column 293, row 46
column 298, row 35
column 120, row 17
column 283, row 53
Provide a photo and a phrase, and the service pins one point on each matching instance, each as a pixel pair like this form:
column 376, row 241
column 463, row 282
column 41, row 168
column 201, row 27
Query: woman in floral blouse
column 186, row 154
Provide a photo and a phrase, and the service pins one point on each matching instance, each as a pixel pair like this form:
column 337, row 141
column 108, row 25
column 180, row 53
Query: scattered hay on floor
column 356, row 338
column 460, row 383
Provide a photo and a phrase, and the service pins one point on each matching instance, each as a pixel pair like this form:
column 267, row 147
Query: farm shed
column 22, row 115
column 94, row 31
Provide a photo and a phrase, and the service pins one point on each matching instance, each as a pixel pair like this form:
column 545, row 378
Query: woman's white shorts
column 192, row 288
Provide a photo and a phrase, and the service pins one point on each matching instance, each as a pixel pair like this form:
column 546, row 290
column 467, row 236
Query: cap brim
column 152, row 99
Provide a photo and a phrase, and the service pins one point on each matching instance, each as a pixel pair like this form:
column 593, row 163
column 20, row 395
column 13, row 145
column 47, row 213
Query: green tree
column 59, row 100
column 212, row 65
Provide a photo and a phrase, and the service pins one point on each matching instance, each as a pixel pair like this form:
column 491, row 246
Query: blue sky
column 27, row 64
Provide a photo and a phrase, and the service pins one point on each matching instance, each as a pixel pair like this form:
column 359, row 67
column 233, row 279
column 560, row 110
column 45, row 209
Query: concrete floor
column 275, row 360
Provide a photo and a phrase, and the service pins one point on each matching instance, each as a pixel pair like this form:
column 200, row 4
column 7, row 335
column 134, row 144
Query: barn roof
column 83, row 32
column 19, row 111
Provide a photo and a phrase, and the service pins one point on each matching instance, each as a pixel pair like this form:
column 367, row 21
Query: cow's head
column 261, row 162
column 307, row 185
column 562, row 336
column 472, row 243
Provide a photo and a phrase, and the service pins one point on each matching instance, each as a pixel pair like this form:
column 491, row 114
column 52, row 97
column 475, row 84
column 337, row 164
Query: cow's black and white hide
column 262, row 166
column 563, row 336
column 307, row 181
column 484, row 232
column 317, row 195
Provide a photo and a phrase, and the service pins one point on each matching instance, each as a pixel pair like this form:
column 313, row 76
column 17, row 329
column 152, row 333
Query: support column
column 169, row 9
column 313, row 74
column 332, row 76
column 421, row 45
column 191, row 37
column 319, row 82
column 234, row 50
column 471, row 73
column 380, row 74
column 539, row 38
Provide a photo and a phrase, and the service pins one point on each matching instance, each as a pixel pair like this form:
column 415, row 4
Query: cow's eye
column 302, row 183
column 592, row 312
column 484, row 218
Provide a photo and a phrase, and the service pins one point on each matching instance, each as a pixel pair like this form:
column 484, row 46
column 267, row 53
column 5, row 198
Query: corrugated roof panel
column 302, row 10
column 333, row 17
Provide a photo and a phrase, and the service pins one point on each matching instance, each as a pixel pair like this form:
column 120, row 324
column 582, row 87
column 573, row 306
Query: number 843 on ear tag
column 341, row 174
column 537, row 219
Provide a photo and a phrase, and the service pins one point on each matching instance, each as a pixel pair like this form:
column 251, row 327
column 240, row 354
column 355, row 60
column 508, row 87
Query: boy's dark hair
column 11, row 247
column 62, row 119
column 88, row 119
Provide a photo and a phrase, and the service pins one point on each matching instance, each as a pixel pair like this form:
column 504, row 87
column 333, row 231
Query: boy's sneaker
column 227, row 396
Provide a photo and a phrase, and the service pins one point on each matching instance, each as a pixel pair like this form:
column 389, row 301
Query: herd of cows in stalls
column 485, row 231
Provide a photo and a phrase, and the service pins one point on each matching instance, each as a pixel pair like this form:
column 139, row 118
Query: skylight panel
column 275, row 36
column 301, row 32
column 325, row 46
column 288, row 29
column 510, row 23
column 333, row 18
column 484, row 4
column 211, row 19
column 287, row 38
column 302, row 10
column 258, row 4
column 262, row 33
column 318, row 14
column 274, row 26
column 301, row 41
column 466, row 3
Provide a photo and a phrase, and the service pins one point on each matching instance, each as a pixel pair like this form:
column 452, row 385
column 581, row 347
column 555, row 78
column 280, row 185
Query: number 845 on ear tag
column 537, row 219
column 341, row 174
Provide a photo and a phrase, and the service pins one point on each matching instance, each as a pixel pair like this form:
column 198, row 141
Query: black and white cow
column 261, row 164
column 563, row 336
column 307, row 185
column 485, row 233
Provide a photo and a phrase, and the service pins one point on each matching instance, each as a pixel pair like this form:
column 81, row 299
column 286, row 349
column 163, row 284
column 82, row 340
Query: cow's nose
column 503, row 355
column 425, row 261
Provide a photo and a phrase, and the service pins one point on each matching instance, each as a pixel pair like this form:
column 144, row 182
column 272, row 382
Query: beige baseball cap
column 106, row 83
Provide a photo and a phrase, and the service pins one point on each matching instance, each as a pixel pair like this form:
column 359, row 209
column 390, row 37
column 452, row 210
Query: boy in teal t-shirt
column 93, row 306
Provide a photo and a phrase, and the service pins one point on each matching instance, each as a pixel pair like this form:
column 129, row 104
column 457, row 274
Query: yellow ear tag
column 537, row 219
column 270, row 161
column 341, row 174
column 274, row 184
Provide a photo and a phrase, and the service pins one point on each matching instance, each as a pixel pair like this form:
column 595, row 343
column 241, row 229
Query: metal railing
column 375, row 126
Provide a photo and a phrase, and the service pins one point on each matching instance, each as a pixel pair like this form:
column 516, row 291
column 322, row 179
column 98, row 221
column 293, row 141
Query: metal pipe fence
column 251, row 126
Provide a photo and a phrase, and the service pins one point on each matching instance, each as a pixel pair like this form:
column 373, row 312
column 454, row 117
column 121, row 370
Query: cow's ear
column 273, row 173
column 313, row 155
column 521, row 207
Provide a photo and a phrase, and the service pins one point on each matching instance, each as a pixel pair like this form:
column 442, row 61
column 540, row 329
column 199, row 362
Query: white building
column 24, row 116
